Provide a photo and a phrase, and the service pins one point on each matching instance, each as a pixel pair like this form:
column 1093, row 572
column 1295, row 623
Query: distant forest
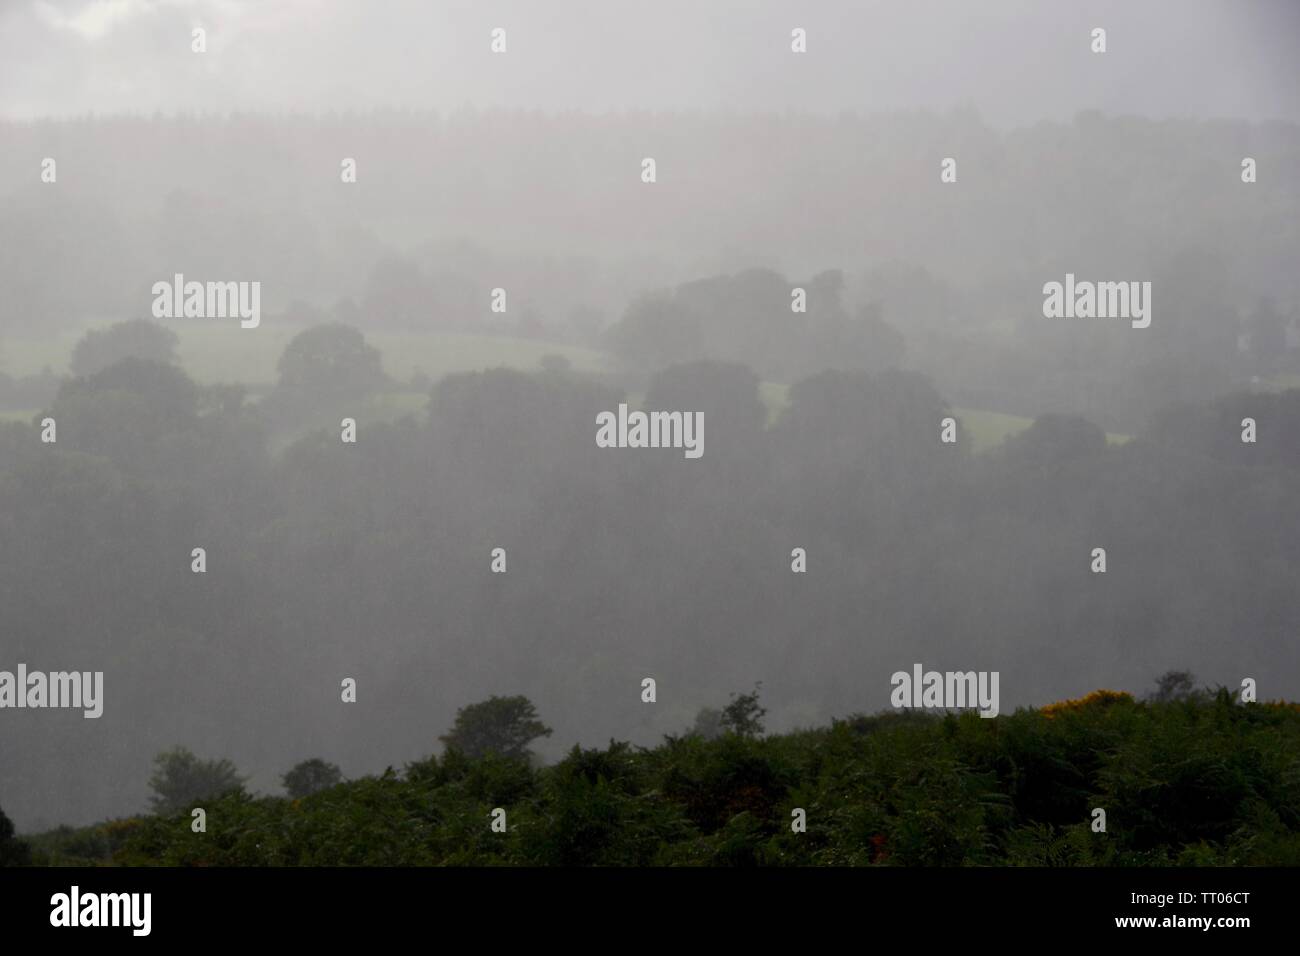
column 447, row 207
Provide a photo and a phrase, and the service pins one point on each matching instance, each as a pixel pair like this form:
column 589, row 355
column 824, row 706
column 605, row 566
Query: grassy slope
column 987, row 429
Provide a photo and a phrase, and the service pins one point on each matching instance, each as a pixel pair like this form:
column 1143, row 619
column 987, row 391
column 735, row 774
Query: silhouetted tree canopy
column 501, row 725
column 311, row 776
column 135, row 338
column 180, row 780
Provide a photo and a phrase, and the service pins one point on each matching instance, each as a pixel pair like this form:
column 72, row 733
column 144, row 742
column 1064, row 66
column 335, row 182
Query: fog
column 460, row 252
column 1019, row 61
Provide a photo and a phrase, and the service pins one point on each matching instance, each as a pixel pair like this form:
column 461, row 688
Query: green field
column 990, row 429
column 1281, row 382
column 987, row 429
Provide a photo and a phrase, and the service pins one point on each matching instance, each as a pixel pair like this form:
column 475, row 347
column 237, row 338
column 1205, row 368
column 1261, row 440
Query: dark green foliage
column 1197, row 780
column 81, row 846
column 1201, row 781
column 716, row 780
column 603, row 810
column 13, row 852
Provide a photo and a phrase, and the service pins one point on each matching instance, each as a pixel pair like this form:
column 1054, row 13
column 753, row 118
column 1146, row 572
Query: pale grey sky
column 1014, row 60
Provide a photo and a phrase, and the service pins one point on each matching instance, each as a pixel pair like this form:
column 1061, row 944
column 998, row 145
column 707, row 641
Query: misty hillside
column 373, row 561
column 363, row 363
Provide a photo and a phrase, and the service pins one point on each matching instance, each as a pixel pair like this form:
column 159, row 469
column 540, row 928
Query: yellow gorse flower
column 1282, row 705
column 1098, row 698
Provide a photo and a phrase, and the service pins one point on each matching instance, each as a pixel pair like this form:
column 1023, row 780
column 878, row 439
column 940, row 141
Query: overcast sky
column 1014, row 60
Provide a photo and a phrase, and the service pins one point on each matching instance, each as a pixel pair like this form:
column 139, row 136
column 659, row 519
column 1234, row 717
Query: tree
column 1174, row 685
column 1053, row 439
column 504, row 725
column 743, row 716
column 180, row 779
column 137, row 412
column 13, row 852
column 325, row 371
column 136, row 338
column 311, row 776
column 555, row 364
column 331, row 359
column 726, row 393
column 708, row 724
